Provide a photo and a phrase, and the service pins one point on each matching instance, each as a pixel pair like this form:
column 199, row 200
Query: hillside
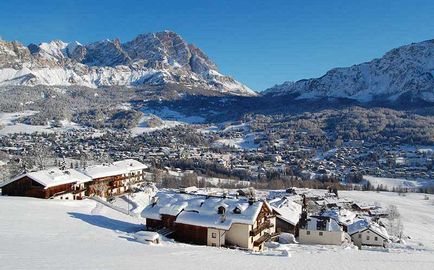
column 95, row 236
column 402, row 74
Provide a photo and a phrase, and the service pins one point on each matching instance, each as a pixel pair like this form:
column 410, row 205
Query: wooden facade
column 191, row 234
column 168, row 221
column 154, row 224
column 27, row 187
column 285, row 226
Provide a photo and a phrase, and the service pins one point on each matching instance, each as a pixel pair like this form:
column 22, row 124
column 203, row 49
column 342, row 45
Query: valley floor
column 49, row 234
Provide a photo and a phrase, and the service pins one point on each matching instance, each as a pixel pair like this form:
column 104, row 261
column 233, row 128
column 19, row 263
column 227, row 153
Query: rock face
column 405, row 72
column 150, row 59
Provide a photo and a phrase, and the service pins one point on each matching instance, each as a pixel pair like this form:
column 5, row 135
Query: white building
column 364, row 233
column 322, row 231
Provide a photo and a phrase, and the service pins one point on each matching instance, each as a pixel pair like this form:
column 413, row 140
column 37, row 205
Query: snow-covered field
column 417, row 214
column 390, row 183
column 10, row 126
column 247, row 142
column 143, row 126
column 51, row 234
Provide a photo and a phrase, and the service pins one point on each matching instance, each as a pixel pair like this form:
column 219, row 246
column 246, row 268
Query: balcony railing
column 264, row 238
column 265, row 225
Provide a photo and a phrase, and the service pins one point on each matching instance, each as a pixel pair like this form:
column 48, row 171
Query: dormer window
column 221, row 210
column 237, row 210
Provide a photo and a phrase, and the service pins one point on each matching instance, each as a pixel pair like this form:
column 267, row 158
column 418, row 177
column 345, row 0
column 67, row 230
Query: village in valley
column 237, row 186
column 216, row 135
column 236, row 150
column 250, row 186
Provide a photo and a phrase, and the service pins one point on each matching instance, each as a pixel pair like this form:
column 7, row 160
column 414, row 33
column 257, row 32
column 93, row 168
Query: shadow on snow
column 107, row 223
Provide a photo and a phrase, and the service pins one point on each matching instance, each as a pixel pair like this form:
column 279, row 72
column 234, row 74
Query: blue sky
column 260, row 43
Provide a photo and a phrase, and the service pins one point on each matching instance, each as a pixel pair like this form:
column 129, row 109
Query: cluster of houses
column 212, row 220
column 272, row 154
column 74, row 184
column 222, row 219
column 244, row 222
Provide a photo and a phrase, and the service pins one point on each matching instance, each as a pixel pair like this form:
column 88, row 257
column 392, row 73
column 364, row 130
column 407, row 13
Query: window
column 213, row 244
column 367, row 237
column 308, row 232
column 214, row 235
column 360, row 235
column 376, row 238
column 320, row 233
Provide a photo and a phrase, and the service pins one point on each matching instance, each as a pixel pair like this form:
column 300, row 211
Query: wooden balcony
column 265, row 225
column 264, row 238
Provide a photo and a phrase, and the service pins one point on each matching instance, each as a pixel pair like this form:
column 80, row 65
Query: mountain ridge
column 406, row 70
column 149, row 59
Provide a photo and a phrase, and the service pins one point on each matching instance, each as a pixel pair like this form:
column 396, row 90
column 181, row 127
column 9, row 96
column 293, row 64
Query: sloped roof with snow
column 104, row 170
column 286, row 209
column 362, row 225
column 202, row 211
column 343, row 216
column 130, row 165
column 54, row 177
column 111, row 169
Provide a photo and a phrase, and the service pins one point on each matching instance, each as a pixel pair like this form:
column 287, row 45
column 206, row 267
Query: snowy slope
column 150, row 59
column 50, row 234
column 405, row 70
column 417, row 214
column 391, row 183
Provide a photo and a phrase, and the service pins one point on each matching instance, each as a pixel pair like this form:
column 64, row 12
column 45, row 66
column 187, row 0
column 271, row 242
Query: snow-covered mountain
column 150, row 59
column 407, row 71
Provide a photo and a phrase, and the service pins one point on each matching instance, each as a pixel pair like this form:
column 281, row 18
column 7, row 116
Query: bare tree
column 189, row 179
column 396, row 228
column 41, row 154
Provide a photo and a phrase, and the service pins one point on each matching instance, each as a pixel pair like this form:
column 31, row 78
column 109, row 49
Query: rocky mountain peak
column 407, row 70
column 162, row 57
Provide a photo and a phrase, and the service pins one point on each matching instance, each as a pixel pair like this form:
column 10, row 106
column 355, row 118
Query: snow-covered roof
column 130, row 165
column 357, row 226
column 362, row 225
column 104, row 170
column 365, row 206
column 343, row 216
column 287, row 210
column 115, row 168
column 54, row 177
column 331, row 225
column 202, row 211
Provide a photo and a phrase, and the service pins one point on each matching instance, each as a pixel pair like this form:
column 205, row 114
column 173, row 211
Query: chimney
column 251, row 201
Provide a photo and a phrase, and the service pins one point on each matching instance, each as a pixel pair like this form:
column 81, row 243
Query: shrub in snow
column 287, row 238
column 286, row 253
